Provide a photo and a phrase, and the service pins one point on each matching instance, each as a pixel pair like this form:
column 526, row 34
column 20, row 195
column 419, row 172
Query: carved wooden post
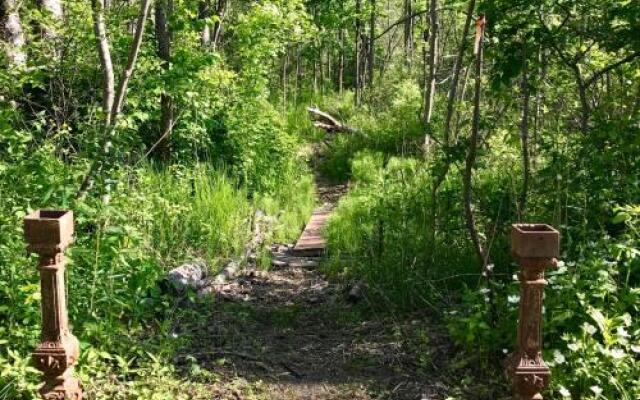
column 535, row 247
column 48, row 234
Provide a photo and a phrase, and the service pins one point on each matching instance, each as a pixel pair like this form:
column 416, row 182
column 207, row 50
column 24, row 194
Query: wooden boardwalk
column 311, row 243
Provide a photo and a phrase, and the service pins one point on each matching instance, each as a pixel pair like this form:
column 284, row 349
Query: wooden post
column 49, row 233
column 535, row 247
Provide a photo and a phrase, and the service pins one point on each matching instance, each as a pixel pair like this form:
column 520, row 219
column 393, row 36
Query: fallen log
column 328, row 123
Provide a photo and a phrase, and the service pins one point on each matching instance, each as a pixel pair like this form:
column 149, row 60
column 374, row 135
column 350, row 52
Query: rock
column 188, row 276
column 357, row 292
column 279, row 263
column 227, row 273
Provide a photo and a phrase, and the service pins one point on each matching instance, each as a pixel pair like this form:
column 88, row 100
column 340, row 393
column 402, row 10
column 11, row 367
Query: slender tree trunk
column 341, row 66
column 323, row 65
column 204, row 12
column 408, row 31
column 524, row 138
column 358, row 53
column 163, row 10
column 433, row 57
column 473, row 147
column 456, row 72
column 298, row 75
column 372, row 52
column 221, row 10
column 97, row 164
column 12, row 33
column 285, row 87
column 108, row 80
column 131, row 61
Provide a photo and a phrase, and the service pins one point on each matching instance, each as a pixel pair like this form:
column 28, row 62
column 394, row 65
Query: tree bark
column 456, row 72
column 433, row 56
column 204, row 12
column 163, row 9
column 341, row 62
column 524, row 138
column 408, row 31
column 358, row 53
column 108, row 80
column 221, row 10
column 372, row 31
column 131, row 61
column 473, row 147
column 12, row 33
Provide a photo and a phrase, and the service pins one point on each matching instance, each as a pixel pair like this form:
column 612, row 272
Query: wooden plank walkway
column 311, row 243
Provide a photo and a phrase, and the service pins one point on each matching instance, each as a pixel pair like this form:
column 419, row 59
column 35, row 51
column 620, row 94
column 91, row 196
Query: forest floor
column 290, row 333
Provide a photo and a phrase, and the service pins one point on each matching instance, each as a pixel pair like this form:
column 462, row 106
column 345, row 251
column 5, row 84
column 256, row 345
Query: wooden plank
column 311, row 243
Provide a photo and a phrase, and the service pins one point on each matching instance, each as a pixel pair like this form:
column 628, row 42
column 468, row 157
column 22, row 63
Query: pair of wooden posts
column 50, row 232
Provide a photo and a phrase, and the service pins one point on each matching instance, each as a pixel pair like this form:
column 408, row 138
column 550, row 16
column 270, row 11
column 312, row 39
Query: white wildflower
column 558, row 357
column 505, row 351
column 485, row 291
column 590, row 329
column 596, row 389
column 564, row 392
column 635, row 349
column 514, row 299
column 617, row 354
column 573, row 346
column 622, row 332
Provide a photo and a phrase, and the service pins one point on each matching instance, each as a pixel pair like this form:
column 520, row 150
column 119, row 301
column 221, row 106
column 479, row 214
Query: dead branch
column 327, row 122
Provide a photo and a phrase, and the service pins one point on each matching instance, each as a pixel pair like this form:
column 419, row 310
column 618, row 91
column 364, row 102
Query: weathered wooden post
column 535, row 247
column 49, row 233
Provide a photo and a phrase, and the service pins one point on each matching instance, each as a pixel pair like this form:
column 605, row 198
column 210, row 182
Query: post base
column 529, row 377
column 62, row 388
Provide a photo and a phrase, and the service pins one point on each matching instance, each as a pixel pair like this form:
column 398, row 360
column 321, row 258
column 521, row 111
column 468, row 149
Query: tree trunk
column 358, row 53
column 372, row 32
column 12, row 33
column 221, row 10
column 341, row 66
column 473, row 147
column 131, row 61
column 285, row 87
column 408, row 31
column 204, row 12
column 524, row 138
column 433, row 57
column 163, row 10
column 108, row 80
column 456, row 72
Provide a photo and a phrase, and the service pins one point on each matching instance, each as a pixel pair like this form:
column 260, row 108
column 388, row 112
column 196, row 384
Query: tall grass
column 198, row 212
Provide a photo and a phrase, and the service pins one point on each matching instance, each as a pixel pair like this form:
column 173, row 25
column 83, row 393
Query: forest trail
column 289, row 333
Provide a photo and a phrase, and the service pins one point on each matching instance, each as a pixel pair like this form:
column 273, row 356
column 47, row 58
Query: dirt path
column 289, row 333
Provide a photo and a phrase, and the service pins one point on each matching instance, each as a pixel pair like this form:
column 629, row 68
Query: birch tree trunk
column 108, row 80
column 12, row 33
